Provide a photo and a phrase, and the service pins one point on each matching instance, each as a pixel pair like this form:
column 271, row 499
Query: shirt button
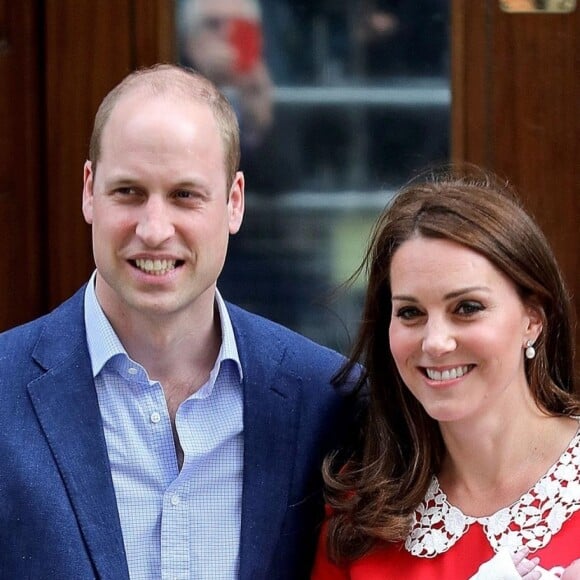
column 132, row 371
column 175, row 499
column 155, row 417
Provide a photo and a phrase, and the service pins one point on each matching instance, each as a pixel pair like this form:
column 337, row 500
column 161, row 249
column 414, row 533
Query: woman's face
column 458, row 330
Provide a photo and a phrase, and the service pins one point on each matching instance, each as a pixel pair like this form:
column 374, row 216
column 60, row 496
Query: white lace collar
column 531, row 521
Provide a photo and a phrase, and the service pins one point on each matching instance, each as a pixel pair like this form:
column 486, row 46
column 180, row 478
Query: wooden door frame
column 22, row 194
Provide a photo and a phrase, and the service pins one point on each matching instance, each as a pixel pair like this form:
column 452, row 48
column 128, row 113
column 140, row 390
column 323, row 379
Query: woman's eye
column 469, row 307
column 408, row 313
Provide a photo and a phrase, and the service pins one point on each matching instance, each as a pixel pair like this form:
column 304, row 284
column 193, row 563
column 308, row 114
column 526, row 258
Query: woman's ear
column 536, row 318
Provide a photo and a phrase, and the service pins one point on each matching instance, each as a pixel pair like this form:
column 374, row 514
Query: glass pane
column 339, row 102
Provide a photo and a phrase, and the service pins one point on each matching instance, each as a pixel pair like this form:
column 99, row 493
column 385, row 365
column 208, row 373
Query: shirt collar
column 104, row 344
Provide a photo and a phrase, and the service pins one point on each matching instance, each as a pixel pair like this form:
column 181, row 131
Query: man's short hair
column 183, row 82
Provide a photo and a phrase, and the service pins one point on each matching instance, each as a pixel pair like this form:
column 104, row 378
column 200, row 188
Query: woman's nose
column 438, row 339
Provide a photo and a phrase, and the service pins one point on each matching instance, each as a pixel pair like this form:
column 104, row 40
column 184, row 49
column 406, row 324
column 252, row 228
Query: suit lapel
column 271, row 403
column 66, row 406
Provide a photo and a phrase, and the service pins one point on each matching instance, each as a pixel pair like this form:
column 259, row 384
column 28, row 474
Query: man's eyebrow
column 122, row 178
column 189, row 184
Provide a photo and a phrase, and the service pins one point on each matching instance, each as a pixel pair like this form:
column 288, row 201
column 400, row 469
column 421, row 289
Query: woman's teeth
column 446, row 374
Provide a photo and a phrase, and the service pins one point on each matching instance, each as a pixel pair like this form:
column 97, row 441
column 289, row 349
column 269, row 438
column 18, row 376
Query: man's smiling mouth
column 156, row 267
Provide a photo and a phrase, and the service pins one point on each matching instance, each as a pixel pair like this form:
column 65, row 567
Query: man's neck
column 172, row 347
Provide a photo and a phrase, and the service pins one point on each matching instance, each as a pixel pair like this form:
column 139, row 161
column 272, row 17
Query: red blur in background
column 245, row 37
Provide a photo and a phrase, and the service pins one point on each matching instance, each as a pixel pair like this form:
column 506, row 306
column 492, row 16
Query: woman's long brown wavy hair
column 373, row 496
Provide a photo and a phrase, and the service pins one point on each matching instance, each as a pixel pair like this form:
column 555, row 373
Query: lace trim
column 531, row 521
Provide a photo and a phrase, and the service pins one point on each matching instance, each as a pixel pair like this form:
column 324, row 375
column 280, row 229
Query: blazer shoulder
column 298, row 354
column 263, row 329
column 58, row 329
column 21, row 339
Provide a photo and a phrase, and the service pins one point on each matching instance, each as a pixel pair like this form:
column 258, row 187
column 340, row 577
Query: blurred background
column 339, row 103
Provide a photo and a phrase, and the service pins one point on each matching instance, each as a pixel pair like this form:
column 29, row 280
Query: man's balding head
column 180, row 82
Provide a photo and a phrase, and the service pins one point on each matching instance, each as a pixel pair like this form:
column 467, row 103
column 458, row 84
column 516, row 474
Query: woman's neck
column 491, row 463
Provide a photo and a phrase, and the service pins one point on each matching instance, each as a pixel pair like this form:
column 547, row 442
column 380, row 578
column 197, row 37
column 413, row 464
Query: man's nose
column 155, row 225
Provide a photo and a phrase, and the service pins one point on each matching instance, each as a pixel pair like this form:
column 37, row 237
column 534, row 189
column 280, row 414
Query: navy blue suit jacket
column 58, row 512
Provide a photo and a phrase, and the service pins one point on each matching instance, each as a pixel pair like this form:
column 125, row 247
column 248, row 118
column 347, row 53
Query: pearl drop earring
column 530, row 350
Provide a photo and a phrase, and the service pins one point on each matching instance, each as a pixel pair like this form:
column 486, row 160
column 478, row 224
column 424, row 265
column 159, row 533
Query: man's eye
column 469, row 307
column 125, row 190
column 183, row 194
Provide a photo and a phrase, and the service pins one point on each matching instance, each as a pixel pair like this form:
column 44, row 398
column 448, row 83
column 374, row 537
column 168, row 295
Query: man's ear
column 88, row 192
column 236, row 203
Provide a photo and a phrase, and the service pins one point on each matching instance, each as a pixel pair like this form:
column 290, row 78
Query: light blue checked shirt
column 176, row 525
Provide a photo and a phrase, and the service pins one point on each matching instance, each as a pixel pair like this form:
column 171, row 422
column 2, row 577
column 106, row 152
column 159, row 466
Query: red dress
column 445, row 544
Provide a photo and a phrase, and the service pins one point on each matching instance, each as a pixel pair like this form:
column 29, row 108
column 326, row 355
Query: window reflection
column 338, row 103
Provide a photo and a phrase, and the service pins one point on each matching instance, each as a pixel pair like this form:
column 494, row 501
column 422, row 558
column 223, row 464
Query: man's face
column 159, row 207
